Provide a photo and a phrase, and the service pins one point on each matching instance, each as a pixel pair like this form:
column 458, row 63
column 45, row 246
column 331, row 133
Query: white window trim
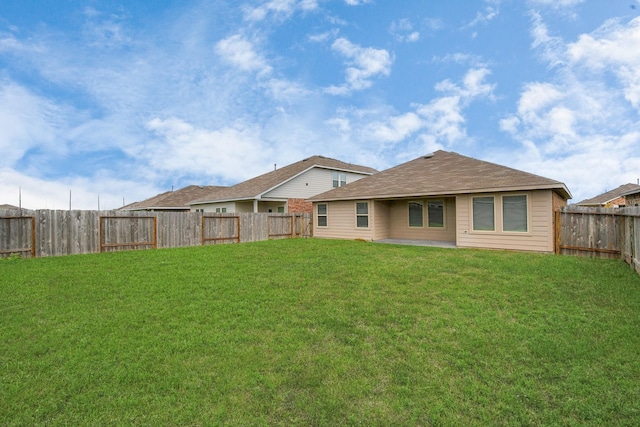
column 516, row 233
column 326, row 215
column 368, row 215
column 421, row 202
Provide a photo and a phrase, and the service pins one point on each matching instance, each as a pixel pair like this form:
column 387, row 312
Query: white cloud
column 231, row 152
column 556, row 4
column 490, row 12
column 364, row 64
column 357, row 2
column 403, row 30
column 240, row 52
column 325, row 36
column 28, row 122
column 105, row 31
column 551, row 48
column 281, row 9
column 616, row 48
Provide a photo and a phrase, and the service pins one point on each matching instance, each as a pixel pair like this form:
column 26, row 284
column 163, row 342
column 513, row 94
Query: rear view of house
column 445, row 197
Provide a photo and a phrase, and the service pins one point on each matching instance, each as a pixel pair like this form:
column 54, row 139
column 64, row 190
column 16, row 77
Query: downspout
column 255, row 205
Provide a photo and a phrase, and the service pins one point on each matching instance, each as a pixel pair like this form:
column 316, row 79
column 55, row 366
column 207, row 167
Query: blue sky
column 118, row 101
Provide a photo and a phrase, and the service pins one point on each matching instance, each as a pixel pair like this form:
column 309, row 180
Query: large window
column 362, row 214
column 514, row 213
column 339, row 179
column 435, row 211
column 483, row 214
column 322, row 214
column 415, row 214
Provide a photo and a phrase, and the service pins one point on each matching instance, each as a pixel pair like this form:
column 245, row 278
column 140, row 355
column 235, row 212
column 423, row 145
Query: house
column 173, row 201
column 284, row 189
column 445, row 197
column 614, row 198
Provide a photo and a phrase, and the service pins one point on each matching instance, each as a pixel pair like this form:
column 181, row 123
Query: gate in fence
column 128, row 232
column 18, row 235
column 220, row 229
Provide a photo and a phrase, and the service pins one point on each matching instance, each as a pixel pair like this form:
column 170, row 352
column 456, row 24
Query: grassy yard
column 319, row 333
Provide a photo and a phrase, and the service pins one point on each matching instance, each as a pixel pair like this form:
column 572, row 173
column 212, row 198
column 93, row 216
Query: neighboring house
column 445, row 197
column 173, row 201
column 285, row 189
column 612, row 199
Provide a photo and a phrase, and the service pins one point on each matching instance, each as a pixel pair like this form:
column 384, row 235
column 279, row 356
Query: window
column 280, row 209
column 221, row 210
column 362, row 214
column 339, row 179
column 483, row 214
column 435, row 211
column 415, row 214
column 514, row 213
column 322, row 214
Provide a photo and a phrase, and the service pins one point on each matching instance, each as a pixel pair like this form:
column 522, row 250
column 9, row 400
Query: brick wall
column 299, row 206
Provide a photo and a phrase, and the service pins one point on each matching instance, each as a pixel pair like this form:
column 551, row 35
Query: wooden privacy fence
column 599, row 232
column 52, row 233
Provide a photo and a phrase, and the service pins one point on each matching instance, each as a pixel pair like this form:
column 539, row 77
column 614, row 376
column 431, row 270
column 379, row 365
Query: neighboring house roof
column 604, row 198
column 442, row 173
column 632, row 191
column 173, row 200
column 256, row 187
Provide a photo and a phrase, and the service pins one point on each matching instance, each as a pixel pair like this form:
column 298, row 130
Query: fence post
column 558, row 231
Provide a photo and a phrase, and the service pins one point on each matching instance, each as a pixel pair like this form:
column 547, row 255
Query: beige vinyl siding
column 399, row 223
column 382, row 220
column 264, row 206
column 308, row 184
column 539, row 237
column 341, row 221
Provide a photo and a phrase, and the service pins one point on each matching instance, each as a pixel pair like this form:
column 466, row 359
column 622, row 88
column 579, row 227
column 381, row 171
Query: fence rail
column 599, row 232
column 44, row 233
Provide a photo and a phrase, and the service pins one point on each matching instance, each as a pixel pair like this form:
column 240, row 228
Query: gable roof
column 442, row 173
column 255, row 187
column 173, row 200
column 604, row 198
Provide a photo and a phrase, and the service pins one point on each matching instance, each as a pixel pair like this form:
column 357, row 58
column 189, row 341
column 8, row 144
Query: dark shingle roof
column 254, row 187
column 442, row 173
column 604, row 198
column 174, row 200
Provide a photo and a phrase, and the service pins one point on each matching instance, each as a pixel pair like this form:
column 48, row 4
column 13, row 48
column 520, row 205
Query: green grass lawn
column 319, row 333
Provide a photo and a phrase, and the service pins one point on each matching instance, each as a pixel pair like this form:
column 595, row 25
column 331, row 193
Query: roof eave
column 207, row 202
